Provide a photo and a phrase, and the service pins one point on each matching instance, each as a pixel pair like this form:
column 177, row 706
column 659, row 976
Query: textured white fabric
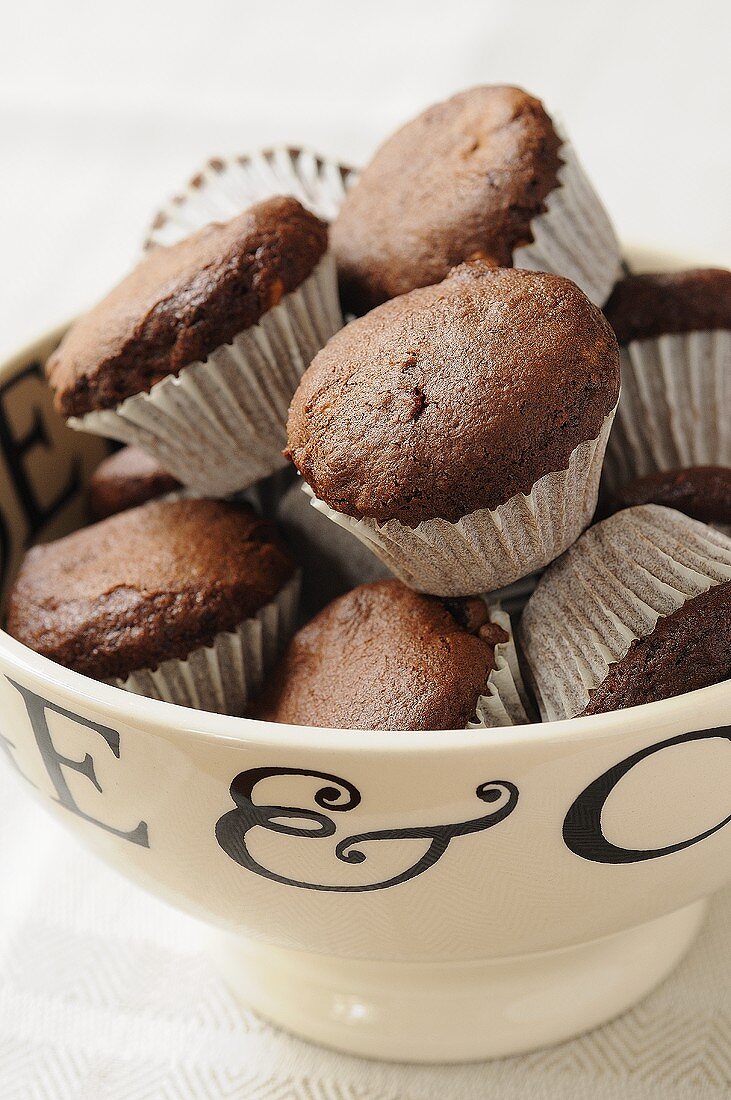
column 106, row 995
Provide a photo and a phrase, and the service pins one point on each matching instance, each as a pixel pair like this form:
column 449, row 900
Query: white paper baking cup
column 675, row 406
column 506, row 701
column 220, row 425
column 486, row 550
column 609, row 590
column 223, row 677
column 574, row 237
column 226, row 187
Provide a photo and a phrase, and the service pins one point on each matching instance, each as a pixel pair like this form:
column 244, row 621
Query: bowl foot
column 455, row 1011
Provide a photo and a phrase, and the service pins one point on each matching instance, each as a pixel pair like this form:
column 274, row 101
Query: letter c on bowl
column 582, row 827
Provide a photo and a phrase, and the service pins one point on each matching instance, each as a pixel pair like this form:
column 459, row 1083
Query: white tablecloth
column 105, row 109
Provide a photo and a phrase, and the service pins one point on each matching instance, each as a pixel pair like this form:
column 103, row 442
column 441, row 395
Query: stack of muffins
column 429, row 471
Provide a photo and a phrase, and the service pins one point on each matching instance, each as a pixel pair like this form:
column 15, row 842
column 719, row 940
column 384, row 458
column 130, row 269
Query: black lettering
column 582, row 827
column 15, row 448
column 55, row 762
column 339, row 796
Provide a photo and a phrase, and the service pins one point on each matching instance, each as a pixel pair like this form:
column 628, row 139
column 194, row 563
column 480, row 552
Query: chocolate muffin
column 154, row 586
column 638, row 610
column 472, row 177
column 675, row 332
column 695, row 639
column 182, row 302
column 702, row 492
column 420, row 421
column 127, row 478
column 384, row 657
column 196, row 354
column 679, row 301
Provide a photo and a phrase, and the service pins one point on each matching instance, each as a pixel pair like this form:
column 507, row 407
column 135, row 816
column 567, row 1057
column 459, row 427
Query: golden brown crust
column 126, row 479
column 462, row 180
column 454, row 397
column 382, row 657
column 180, row 303
column 146, row 585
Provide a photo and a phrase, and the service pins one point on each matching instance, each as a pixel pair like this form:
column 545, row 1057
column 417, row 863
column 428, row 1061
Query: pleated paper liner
column 675, row 406
column 219, row 426
column 226, row 187
column 224, row 676
column 334, row 562
column 610, row 589
column 573, row 237
column 487, row 550
column 506, row 702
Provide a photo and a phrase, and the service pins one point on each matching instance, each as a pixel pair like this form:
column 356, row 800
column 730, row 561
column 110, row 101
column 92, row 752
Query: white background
column 106, row 108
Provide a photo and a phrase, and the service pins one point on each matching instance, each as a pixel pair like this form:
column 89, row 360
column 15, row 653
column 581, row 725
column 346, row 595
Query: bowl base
column 455, row 1011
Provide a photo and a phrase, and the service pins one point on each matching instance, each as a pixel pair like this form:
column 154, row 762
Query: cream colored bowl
column 422, row 896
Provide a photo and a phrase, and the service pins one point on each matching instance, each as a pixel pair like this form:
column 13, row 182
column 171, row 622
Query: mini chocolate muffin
column 180, row 303
column 647, row 305
column 471, row 177
column 638, row 610
column 144, row 590
column 196, row 354
column 701, row 492
column 385, row 657
column 675, row 335
column 447, row 404
column 125, row 479
column 690, row 648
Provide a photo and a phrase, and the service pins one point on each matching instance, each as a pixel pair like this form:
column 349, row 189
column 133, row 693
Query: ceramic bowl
column 417, row 896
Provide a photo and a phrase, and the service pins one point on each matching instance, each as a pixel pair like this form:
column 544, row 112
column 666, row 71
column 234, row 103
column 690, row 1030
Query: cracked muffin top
column 454, row 397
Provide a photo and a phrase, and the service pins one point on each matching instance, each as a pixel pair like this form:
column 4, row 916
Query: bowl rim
column 76, row 690
column 173, row 719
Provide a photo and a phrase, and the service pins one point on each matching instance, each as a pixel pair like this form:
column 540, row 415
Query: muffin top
column 454, row 397
column 680, row 301
column 384, row 657
column 127, row 478
column 688, row 649
column 151, row 583
column 182, row 302
column 701, row 492
column 462, row 180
